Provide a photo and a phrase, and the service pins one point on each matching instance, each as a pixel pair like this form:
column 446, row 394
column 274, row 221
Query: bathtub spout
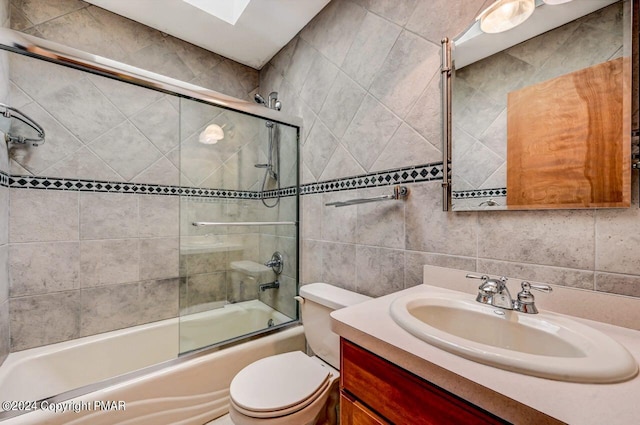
column 273, row 285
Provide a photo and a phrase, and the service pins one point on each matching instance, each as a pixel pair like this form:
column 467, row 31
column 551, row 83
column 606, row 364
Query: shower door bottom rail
column 244, row 223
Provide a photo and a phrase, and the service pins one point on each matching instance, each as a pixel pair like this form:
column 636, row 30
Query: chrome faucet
column 272, row 285
column 495, row 293
column 525, row 302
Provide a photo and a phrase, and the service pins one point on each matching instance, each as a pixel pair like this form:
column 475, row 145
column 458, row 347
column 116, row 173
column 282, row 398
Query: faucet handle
column 526, row 286
column 525, row 301
column 484, row 277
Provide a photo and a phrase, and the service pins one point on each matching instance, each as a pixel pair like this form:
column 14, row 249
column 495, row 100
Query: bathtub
column 210, row 327
column 188, row 390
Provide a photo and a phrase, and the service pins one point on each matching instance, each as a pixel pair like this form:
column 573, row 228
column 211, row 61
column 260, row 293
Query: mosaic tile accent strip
column 479, row 193
column 4, row 179
column 48, row 183
column 414, row 174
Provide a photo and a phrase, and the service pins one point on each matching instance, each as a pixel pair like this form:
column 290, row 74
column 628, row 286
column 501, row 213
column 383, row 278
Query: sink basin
column 546, row 345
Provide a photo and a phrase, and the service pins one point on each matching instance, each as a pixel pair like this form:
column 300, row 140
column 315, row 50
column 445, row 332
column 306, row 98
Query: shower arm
column 10, row 112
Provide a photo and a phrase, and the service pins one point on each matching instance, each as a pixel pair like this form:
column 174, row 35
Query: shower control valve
column 276, row 263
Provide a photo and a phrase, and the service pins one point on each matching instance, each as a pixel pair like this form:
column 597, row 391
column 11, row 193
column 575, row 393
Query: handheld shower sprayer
column 272, row 166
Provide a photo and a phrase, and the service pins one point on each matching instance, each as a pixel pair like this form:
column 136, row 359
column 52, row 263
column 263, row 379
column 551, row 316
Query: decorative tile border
column 414, row 174
column 480, row 193
column 79, row 185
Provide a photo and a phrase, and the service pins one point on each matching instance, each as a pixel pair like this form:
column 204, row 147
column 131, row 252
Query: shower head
column 259, row 99
column 271, row 102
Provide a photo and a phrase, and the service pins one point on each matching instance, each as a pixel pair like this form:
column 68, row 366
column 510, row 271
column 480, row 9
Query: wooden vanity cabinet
column 375, row 391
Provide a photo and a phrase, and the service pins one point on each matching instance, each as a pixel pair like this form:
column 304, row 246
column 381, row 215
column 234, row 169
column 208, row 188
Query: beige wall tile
column 5, row 335
column 339, row 223
column 37, row 11
column 158, row 299
column 109, row 307
column 107, row 262
column 553, row 238
column 407, row 70
column 40, row 268
column 205, row 288
column 372, row 44
column 339, row 264
column 379, row 223
column 618, row 284
column 414, row 263
column 159, row 216
column 32, row 318
column 444, row 18
column 39, row 215
column 332, row 32
column 282, row 299
column 582, row 279
column 340, row 107
column 4, row 215
column 617, row 239
column 379, row 271
column 374, row 123
column 438, row 231
column 159, row 258
column 312, row 262
column 108, row 216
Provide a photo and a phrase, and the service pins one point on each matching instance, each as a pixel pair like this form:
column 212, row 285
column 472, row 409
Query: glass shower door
column 238, row 218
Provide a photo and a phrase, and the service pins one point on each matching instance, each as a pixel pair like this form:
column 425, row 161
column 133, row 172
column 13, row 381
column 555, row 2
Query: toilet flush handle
column 299, row 299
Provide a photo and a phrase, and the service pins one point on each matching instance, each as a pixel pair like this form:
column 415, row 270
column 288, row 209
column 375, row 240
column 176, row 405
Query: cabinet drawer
column 401, row 397
column 354, row 413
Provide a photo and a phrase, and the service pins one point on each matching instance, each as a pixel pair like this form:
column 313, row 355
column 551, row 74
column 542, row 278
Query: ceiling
column 261, row 30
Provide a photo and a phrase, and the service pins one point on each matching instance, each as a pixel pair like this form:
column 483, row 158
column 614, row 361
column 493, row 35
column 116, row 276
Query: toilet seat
column 279, row 385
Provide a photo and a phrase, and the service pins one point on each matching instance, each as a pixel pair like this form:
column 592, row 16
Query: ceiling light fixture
column 505, row 14
column 211, row 135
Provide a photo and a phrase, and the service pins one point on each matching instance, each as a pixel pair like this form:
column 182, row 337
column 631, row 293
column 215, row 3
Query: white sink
column 546, row 345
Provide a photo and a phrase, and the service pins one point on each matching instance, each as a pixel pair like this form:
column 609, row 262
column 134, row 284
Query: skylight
column 227, row 10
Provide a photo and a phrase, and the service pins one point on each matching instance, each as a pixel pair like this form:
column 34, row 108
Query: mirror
column 541, row 114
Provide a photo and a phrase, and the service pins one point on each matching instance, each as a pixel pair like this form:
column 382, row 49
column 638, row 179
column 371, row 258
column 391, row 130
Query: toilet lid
column 278, row 383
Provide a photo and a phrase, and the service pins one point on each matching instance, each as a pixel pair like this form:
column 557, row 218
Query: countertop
column 518, row 398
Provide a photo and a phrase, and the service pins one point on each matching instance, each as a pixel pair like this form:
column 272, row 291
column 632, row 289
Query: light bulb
column 506, row 14
column 211, row 135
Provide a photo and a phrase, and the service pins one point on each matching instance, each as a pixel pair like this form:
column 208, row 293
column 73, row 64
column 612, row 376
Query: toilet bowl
column 294, row 388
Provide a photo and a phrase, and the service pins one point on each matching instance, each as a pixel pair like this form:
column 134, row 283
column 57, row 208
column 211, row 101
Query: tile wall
column 92, row 262
column 5, row 341
column 364, row 76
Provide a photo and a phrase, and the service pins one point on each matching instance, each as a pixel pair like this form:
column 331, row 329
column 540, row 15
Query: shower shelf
column 244, row 223
column 399, row 193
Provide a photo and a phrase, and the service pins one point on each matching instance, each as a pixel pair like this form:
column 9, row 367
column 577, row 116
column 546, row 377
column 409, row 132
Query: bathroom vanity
column 389, row 375
column 364, row 376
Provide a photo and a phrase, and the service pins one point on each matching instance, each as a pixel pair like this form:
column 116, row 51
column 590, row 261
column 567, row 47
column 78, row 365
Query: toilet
column 293, row 388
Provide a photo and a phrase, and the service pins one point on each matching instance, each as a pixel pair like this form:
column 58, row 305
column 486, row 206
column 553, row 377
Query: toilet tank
column 320, row 299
